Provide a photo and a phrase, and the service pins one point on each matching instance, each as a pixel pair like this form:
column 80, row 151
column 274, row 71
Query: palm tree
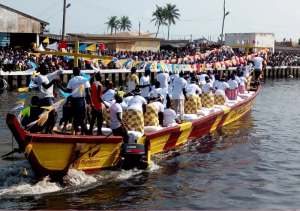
column 112, row 23
column 125, row 23
column 171, row 13
column 159, row 17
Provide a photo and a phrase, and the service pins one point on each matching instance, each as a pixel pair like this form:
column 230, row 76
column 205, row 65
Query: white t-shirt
column 169, row 117
column 192, row 88
column 237, row 79
column 144, row 81
column 75, row 83
column 46, row 79
column 136, row 103
column 127, row 99
column 163, row 79
column 243, row 81
column 222, row 86
column 178, row 85
column 113, row 110
column 110, row 94
column 247, row 70
column 206, row 87
column 258, row 62
column 159, row 105
column 215, row 84
column 232, row 84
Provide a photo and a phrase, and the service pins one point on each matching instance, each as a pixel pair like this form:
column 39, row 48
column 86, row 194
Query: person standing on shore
column 45, row 83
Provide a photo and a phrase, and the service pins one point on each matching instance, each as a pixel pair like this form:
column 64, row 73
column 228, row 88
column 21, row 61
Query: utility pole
column 140, row 28
column 64, row 20
column 225, row 14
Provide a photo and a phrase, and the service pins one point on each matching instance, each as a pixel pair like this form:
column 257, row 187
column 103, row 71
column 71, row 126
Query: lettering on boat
column 89, row 161
column 242, row 109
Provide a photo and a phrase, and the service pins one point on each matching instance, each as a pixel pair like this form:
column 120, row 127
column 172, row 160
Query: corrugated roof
column 132, row 33
column 23, row 14
column 101, row 36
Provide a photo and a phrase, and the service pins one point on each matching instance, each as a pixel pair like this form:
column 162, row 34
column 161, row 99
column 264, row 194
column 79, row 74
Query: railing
column 118, row 76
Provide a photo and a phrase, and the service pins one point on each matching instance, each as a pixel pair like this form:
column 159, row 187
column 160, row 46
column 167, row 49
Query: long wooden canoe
column 52, row 154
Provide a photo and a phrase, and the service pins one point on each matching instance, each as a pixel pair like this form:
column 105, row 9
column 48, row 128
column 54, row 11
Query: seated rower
column 31, row 114
column 232, row 91
column 243, row 84
column 170, row 117
column 193, row 92
column 221, row 87
column 117, row 124
column 154, row 115
column 207, row 99
column 135, row 112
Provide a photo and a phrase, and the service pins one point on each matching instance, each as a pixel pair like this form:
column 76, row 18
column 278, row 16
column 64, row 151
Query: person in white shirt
column 109, row 95
column 135, row 112
column 45, row 83
column 193, row 93
column 247, row 70
column 201, row 79
column 163, row 79
column 172, row 78
column 170, row 117
column 79, row 88
column 232, row 91
column 221, row 87
column 145, row 85
column 258, row 66
column 116, row 123
column 207, row 99
column 179, row 94
column 243, row 85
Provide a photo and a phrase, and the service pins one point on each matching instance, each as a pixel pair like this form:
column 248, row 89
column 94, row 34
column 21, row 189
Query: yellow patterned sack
column 151, row 115
column 248, row 82
column 135, row 120
column 207, row 100
column 220, row 99
column 192, row 105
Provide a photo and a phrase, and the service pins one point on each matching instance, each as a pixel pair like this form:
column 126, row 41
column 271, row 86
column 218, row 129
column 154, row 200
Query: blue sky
column 198, row 17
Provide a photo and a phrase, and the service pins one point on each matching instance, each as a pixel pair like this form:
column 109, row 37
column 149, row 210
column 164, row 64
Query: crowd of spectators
column 20, row 60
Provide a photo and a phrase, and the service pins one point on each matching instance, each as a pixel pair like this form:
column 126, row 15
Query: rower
column 31, row 114
column 132, row 79
column 232, row 91
column 78, row 103
column 207, row 99
column 193, row 92
column 45, row 83
column 116, row 123
column 135, row 112
column 154, row 115
column 221, row 87
column 243, row 84
column 109, row 93
column 170, row 117
column 201, row 78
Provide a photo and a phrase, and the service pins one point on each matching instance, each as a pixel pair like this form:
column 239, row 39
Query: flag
column 40, row 48
column 53, row 46
column 18, row 106
column 33, row 65
column 100, row 54
column 63, row 44
column 238, row 42
column 243, row 42
column 21, row 101
column 233, row 42
column 26, row 89
column 91, row 47
column 32, row 85
column 102, row 47
column 85, row 76
column 257, row 42
column 46, row 40
column 22, row 96
column 82, row 47
column 253, row 41
column 66, row 95
column 148, row 66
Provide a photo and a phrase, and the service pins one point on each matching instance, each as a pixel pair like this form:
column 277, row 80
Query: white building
column 261, row 40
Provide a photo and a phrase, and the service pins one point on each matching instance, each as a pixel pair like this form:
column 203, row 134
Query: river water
column 250, row 164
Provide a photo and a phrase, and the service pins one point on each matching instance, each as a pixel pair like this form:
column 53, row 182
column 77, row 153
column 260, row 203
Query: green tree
column 171, row 14
column 125, row 23
column 113, row 23
column 159, row 17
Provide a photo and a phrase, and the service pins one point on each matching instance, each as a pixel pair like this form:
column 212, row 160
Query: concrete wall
column 147, row 45
column 264, row 39
column 14, row 23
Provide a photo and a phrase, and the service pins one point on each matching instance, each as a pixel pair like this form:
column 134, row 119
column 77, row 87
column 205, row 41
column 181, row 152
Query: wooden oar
column 11, row 152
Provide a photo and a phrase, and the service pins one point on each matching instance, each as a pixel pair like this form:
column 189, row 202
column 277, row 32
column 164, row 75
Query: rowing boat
column 52, row 154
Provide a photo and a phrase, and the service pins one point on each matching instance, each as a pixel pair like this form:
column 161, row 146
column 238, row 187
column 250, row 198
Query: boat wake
column 13, row 183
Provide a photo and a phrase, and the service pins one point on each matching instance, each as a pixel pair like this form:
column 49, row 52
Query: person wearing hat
column 45, row 83
column 154, row 115
column 221, row 87
column 232, row 91
column 136, row 110
column 193, row 93
column 207, row 99
column 145, row 85
column 179, row 94
column 132, row 79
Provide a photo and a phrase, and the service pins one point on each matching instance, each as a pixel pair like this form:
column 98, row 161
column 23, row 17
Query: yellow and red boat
column 53, row 155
